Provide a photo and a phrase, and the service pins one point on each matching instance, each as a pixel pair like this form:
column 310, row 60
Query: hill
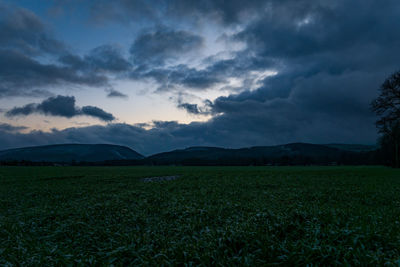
column 353, row 147
column 69, row 153
column 289, row 154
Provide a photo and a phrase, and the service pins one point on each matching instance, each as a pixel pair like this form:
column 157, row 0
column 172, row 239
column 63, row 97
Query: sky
column 157, row 75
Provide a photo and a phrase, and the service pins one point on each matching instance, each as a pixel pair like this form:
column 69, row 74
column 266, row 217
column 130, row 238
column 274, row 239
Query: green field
column 209, row 215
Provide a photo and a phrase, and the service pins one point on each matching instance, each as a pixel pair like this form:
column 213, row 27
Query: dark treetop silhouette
column 387, row 107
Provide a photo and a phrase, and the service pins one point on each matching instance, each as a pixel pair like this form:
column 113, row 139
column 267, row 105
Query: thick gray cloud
column 22, row 111
column 330, row 58
column 25, row 41
column 182, row 77
column 226, row 12
column 163, row 137
column 107, row 58
column 63, row 106
column 155, row 47
column 97, row 113
column 190, row 108
column 22, row 37
column 195, row 109
column 22, row 30
column 248, row 129
column 104, row 58
column 23, row 75
column 124, row 11
column 112, row 93
column 5, row 127
column 169, row 79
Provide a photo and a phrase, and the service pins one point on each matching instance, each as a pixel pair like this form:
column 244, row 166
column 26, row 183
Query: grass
column 209, row 216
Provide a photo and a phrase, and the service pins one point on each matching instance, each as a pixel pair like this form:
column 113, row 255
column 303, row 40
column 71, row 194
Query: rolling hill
column 70, row 153
column 353, row 147
column 295, row 153
column 289, row 154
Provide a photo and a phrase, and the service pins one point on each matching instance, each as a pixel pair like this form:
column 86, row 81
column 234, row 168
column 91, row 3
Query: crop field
column 199, row 216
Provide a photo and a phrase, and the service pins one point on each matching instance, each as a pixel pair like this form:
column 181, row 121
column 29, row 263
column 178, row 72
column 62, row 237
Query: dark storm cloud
column 195, row 109
column 155, row 47
column 333, row 58
column 247, row 129
column 105, row 58
column 330, row 58
column 181, row 75
column 190, row 108
column 5, row 127
column 22, row 111
column 97, row 113
column 163, row 137
column 22, row 30
column 124, row 11
column 116, row 94
column 23, row 75
column 25, row 40
column 63, row 106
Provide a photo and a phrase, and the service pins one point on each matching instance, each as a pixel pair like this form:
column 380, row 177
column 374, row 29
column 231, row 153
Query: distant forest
column 377, row 157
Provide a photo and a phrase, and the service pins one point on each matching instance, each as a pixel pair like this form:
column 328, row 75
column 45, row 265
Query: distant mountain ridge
column 353, row 147
column 70, row 153
column 288, row 154
column 294, row 153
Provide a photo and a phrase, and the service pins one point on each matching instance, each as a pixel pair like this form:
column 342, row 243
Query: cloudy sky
column 157, row 75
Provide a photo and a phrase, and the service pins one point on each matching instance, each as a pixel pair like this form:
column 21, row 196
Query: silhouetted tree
column 387, row 107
